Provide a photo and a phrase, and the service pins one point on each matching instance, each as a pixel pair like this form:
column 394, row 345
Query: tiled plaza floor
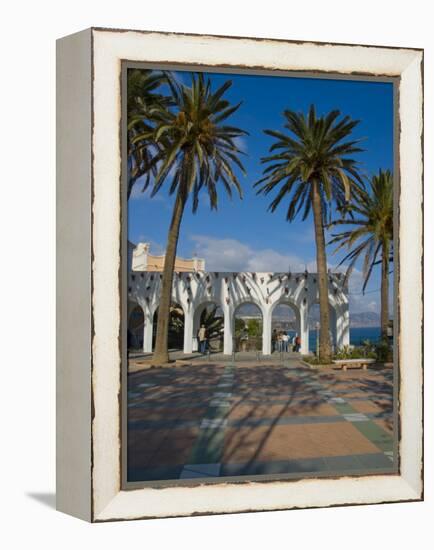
column 220, row 419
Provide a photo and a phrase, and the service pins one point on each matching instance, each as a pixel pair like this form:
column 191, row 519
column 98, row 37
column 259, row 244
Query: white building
column 143, row 260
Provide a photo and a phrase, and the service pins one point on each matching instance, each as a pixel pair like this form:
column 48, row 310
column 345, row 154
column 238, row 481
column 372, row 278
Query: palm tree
column 210, row 319
column 143, row 99
column 176, row 326
column 213, row 322
column 311, row 170
column 198, row 152
column 371, row 236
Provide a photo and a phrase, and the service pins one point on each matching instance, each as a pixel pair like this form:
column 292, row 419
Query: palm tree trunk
column 161, row 353
column 384, row 290
column 321, row 262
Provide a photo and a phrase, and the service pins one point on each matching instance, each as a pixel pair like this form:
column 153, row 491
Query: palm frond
column 373, row 205
column 314, row 148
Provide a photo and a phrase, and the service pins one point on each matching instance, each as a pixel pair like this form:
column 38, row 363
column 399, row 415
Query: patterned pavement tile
column 353, row 464
column 390, row 455
column 208, row 447
column 343, row 407
column 214, row 423
column 294, row 441
column 377, row 435
column 283, row 421
column 174, row 450
column 274, row 467
column 375, row 461
column 336, row 400
column 385, row 424
column 192, row 471
column 173, row 425
column 222, row 395
column 358, row 462
column 219, row 403
column 366, row 406
column 154, row 473
column 208, row 421
column 166, row 413
column 355, row 417
column 272, row 410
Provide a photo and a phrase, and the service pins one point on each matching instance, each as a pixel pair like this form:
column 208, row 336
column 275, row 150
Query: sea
column 358, row 335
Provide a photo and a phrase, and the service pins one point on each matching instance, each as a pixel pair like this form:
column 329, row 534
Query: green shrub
column 383, row 351
column 313, row 360
column 367, row 350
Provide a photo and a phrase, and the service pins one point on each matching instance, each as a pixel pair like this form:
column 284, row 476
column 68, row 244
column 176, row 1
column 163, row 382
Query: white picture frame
column 89, row 211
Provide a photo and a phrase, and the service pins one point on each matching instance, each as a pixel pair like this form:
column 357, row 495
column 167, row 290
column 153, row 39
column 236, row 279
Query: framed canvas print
column 239, row 258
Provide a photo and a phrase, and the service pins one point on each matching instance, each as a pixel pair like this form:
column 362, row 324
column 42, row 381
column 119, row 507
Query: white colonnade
column 195, row 291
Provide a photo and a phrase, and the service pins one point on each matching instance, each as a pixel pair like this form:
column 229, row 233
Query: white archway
column 336, row 344
column 293, row 308
column 240, row 340
column 150, row 323
column 199, row 309
column 136, row 321
column 230, row 290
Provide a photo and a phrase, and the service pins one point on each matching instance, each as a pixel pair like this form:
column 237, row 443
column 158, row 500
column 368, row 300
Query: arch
column 292, row 329
column 285, row 301
column 312, row 330
column 136, row 322
column 215, row 329
column 250, row 336
column 174, row 299
column 177, row 322
column 249, row 300
column 229, row 290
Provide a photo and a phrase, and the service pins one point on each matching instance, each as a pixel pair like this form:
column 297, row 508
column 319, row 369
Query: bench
column 345, row 363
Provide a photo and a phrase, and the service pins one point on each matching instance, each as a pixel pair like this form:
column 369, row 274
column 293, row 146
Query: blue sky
column 242, row 234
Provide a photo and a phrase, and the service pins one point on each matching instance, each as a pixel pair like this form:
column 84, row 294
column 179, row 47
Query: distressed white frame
column 108, row 49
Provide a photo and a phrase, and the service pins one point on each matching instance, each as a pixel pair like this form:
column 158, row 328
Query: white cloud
column 366, row 303
column 241, row 143
column 359, row 302
column 233, row 255
column 138, row 194
column 155, row 248
column 162, row 196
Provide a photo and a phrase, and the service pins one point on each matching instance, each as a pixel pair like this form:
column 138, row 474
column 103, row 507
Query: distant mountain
column 365, row 319
column 362, row 319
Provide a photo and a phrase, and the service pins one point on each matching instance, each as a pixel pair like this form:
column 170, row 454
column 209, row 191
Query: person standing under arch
column 274, row 340
column 202, row 339
column 285, row 340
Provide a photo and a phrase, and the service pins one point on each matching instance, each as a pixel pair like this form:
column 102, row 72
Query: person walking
column 285, row 342
column 297, row 343
column 274, row 340
column 202, row 339
column 279, row 342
